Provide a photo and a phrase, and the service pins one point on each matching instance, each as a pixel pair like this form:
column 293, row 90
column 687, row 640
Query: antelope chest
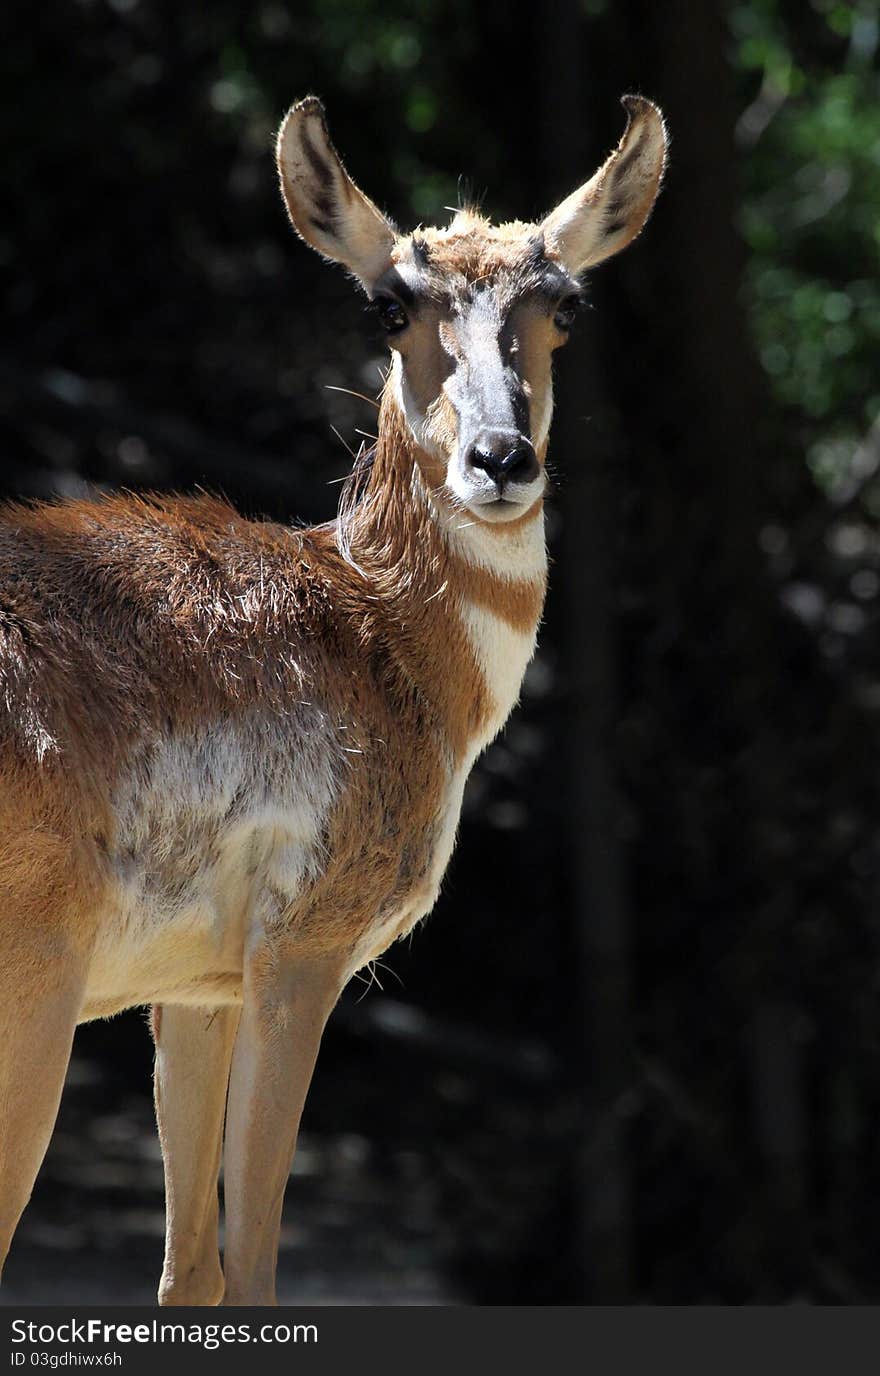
column 501, row 655
column 415, row 898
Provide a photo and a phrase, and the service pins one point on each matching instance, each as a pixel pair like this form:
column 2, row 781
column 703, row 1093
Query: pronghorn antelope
column 233, row 754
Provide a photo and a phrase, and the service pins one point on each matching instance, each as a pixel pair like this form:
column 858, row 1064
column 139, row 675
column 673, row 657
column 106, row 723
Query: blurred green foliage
column 810, row 140
column 808, row 133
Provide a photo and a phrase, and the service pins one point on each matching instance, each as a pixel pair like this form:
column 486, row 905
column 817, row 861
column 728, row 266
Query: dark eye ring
column 392, row 316
column 566, row 312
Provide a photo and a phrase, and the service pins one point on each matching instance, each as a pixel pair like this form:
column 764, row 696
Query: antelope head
column 473, row 312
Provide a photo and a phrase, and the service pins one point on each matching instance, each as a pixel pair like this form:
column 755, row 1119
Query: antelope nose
column 504, row 463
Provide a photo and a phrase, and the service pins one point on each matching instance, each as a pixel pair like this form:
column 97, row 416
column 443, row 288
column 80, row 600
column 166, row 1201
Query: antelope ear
column 607, row 212
column 325, row 207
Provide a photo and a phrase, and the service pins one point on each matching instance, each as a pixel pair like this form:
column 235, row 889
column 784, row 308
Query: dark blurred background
column 635, row 1058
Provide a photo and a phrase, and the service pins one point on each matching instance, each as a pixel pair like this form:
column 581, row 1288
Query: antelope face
column 473, row 312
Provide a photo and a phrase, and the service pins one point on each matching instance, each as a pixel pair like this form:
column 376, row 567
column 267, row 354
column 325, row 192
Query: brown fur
column 219, row 612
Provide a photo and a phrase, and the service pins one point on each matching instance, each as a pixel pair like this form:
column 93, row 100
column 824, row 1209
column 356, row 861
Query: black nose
column 504, row 464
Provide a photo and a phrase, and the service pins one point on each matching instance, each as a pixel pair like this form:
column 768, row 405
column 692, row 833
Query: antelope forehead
column 477, row 268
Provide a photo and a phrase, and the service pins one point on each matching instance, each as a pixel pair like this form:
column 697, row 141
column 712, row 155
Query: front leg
column 193, row 1052
column 287, row 1001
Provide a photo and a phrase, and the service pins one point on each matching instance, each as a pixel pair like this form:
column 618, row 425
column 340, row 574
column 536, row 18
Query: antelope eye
column 566, row 312
column 392, row 316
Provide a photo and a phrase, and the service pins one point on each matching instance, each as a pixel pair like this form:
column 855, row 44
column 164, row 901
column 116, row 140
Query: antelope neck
column 466, row 597
column 406, row 532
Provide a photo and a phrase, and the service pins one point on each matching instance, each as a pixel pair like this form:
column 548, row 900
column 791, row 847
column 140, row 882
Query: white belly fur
column 204, row 822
